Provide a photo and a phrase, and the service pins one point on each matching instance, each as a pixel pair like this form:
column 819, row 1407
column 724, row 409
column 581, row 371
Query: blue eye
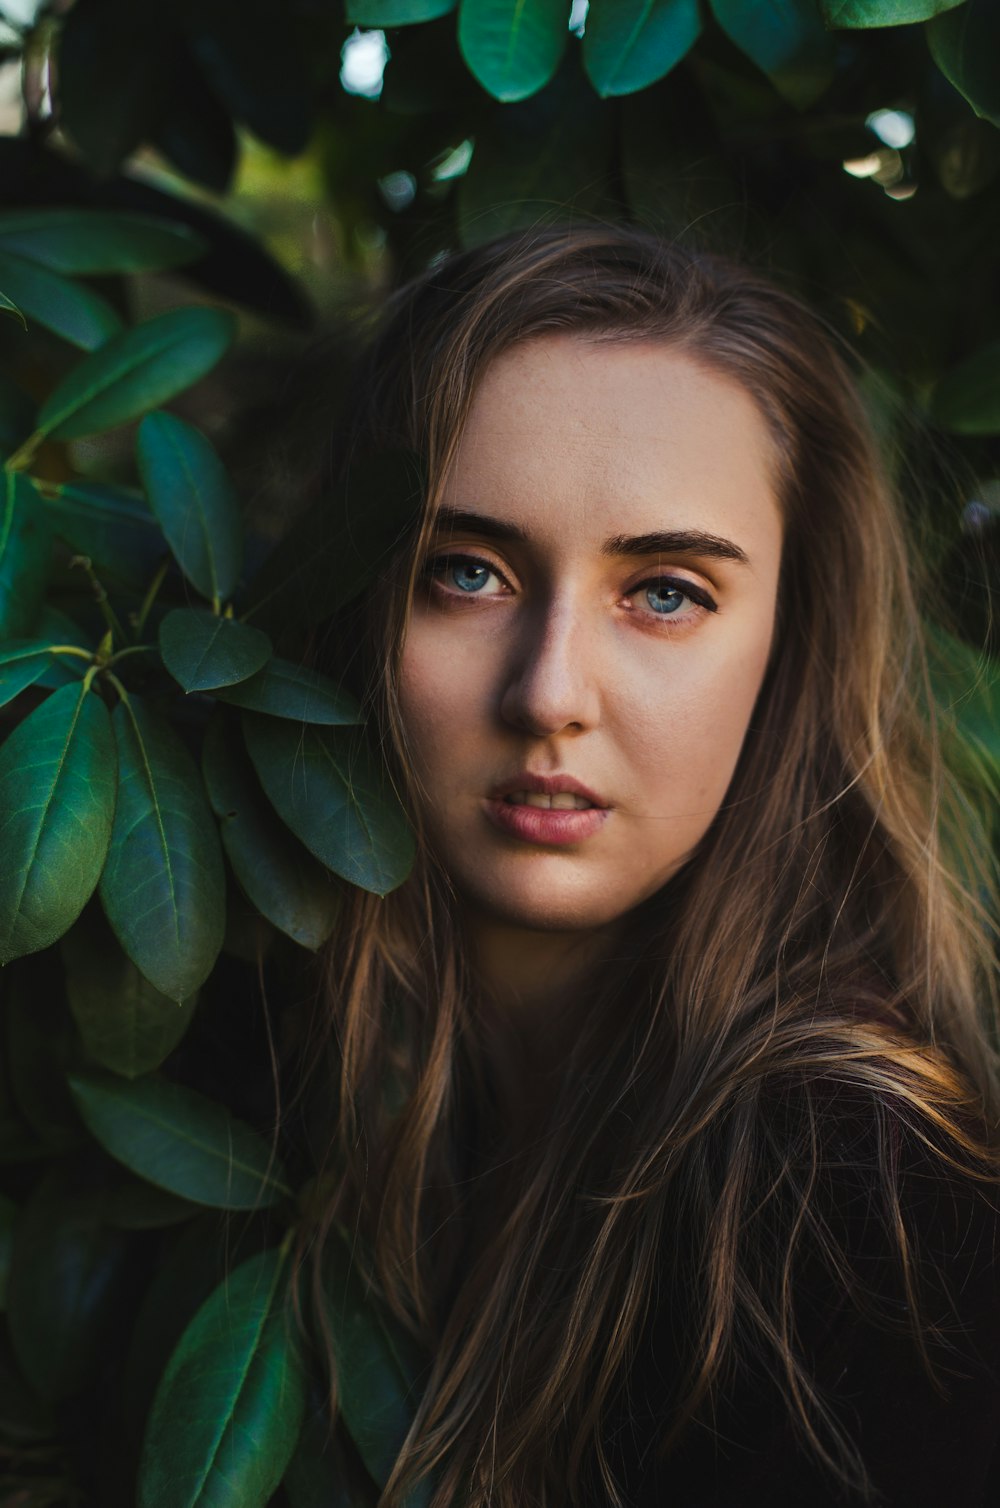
column 664, row 598
column 468, row 575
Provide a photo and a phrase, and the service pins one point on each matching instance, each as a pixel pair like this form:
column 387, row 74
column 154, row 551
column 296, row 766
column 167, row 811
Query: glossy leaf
column 385, row 13
column 203, row 651
column 8, row 1213
column 786, row 39
column 78, row 314
column 80, row 241
column 57, row 801
column 64, row 1291
column 136, row 371
column 629, row 44
column 882, row 12
column 378, row 1370
column 284, row 689
column 163, row 887
column 512, row 48
column 190, row 492
column 965, row 44
column 332, row 791
column 25, row 550
column 125, row 1024
column 112, row 527
column 229, row 1407
column 179, row 1140
column 8, row 307
column 285, row 883
column 22, row 661
column 967, row 399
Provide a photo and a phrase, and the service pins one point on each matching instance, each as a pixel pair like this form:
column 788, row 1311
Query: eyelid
column 698, row 594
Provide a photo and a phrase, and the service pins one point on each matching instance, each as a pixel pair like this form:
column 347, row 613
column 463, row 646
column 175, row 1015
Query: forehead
column 570, row 432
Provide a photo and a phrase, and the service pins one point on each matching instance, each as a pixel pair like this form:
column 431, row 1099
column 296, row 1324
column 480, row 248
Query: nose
column 552, row 682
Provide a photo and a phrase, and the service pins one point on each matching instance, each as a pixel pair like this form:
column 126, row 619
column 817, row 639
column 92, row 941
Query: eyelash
column 696, row 595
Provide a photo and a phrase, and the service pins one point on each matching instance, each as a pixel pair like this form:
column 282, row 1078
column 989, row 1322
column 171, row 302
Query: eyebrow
column 660, row 542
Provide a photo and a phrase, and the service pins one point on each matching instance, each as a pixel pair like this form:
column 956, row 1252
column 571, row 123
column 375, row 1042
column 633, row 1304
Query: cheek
column 440, row 689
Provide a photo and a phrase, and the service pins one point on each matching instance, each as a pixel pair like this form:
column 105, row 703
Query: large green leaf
column 136, row 371
column 965, row 44
column 511, row 46
column 967, row 399
column 65, row 1288
column 8, row 1211
column 78, row 314
column 283, row 880
column 629, row 44
column 882, row 12
column 229, row 1407
column 25, row 550
column 81, row 241
column 284, row 689
column 786, row 39
column 191, row 494
column 57, row 800
column 203, row 651
column 179, row 1140
column 163, row 887
column 333, row 793
column 385, row 13
column 378, row 1369
column 22, row 661
column 112, row 527
column 125, row 1024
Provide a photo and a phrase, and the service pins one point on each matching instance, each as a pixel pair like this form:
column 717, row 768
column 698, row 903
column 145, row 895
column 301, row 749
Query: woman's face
column 594, row 624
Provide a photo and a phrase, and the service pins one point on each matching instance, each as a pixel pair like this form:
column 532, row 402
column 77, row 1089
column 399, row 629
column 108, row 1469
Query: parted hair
column 830, row 940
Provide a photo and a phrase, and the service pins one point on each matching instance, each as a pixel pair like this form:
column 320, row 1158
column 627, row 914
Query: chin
column 547, row 908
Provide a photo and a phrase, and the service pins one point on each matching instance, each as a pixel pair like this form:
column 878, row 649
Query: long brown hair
column 821, row 949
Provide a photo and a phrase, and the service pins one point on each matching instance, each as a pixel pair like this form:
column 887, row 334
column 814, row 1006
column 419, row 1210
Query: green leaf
column 112, row 527
column 79, row 315
column 629, row 44
column 203, row 651
column 882, row 12
column 786, row 39
column 55, row 627
column 179, row 1140
column 65, row 1289
column 965, row 44
column 284, row 689
column 283, row 880
column 967, row 399
column 133, row 1204
column 7, row 307
column 125, row 1024
column 8, row 1211
column 22, row 661
column 513, row 48
column 25, row 551
column 80, row 241
column 316, row 1476
column 163, row 887
column 136, row 371
column 229, row 1407
column 190, row 492
column 385, row 13
column 57, row 800
column 334, row 794
column 377, row 1369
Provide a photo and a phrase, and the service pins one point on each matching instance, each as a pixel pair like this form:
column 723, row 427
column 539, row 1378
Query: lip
column 533, row 824
column 547, row 785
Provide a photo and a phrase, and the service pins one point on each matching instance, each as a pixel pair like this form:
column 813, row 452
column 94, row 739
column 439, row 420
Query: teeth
column 562, row 801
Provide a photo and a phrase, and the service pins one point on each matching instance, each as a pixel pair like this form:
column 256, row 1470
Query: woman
column 669, row 1104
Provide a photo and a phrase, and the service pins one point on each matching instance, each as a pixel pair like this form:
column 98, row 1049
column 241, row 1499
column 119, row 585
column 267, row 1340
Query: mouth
column 559, row 801
column 548, row 810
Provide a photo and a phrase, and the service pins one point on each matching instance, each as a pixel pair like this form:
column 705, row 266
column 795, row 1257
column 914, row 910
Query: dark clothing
column 922, row 1448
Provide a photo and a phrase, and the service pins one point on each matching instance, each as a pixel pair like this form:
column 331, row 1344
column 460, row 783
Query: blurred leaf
column 79, row 241
column 377, row 1367
column 7, row 307
column 334, row 794
column 385, row 13
column 125, row 1024
column 629, row 44
column 513, row 49
column 190, row 492
column 229, row 1408
column 17, row 413
column 203, row 651
column 966, row 400
column 25, row 550
column 195, row 131
column 253, row 59
column 316, row 1478
column 283, row 881
column 77, row 314
column 965, row 44
column 163, row 887
column 64, row 1287
column 112, row 527
column 22, row 661
column 8, row 1210
column 57, row 800
column 133, row 1204
column 135, row 371
column 284, row 689
column 882, row 12
column 786, row 39
column 179, row 1140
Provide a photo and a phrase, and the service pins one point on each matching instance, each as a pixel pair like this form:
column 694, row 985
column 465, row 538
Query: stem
column 69, row 649
column 133, row 649
column 116, row 683
column 100, row 592
column 25, row 454
column 139, row 621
